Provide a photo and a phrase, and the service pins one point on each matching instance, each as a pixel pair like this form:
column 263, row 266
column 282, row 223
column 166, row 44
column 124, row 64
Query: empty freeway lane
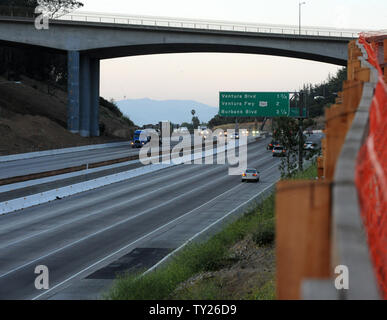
column 77, row 236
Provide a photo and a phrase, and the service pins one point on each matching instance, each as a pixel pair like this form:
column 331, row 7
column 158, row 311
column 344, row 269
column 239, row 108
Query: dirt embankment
column 249, row 274
column 33, row 119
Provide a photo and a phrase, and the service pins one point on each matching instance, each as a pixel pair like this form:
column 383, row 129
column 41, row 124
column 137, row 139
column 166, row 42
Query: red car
column 272, row 144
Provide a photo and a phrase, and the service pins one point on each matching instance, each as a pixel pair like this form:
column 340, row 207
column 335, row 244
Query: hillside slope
column 33, row 120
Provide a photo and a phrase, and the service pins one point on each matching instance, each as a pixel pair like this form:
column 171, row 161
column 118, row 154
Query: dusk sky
column 200, row 76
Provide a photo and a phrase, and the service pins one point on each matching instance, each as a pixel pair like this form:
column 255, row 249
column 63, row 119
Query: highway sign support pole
column 300, row 137
column 300, row 146
column 263, row 123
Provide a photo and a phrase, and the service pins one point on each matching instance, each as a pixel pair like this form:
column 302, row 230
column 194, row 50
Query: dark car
column 272, row 144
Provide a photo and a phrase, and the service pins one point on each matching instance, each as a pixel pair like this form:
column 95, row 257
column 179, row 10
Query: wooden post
column 353, row 91
column 362, row 74
column 336, row 130
column 320, row 167
column 302, row 234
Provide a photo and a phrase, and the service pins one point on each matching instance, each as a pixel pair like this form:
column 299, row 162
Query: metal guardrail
column 207, row 24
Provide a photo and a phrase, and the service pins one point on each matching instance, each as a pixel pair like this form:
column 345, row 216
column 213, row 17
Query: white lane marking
column 109, row 208
column 204, row 230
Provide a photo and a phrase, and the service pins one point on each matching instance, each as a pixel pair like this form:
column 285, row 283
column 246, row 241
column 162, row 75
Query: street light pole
column 299, row 16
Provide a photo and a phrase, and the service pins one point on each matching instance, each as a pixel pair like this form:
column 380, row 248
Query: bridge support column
column 73, row 91
column 94, row 92
column 83, row 92
column 85, row 97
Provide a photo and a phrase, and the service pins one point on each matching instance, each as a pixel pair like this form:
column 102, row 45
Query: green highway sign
column 254, row 104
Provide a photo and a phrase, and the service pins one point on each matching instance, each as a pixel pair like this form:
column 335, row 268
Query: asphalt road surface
column 54, row 162
column 77, row 236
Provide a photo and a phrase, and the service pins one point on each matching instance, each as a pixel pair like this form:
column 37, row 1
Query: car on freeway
column 310, row 145
column 279, row 151
column 140, row 138
column 234, row 135
column 272, row 144
column 250, row 175
column 143, row 136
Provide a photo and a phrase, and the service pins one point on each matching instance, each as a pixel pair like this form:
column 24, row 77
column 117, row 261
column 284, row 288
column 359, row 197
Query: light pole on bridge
column 299, row 16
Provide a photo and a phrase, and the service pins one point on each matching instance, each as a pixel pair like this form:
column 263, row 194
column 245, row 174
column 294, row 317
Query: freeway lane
column 89, row 230
column 23, row 167
column 54, row 162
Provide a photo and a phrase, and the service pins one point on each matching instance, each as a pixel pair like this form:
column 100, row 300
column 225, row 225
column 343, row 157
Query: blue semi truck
column 142, row 137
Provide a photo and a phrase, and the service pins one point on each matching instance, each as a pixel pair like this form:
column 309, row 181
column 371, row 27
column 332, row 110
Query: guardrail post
column 320, row 167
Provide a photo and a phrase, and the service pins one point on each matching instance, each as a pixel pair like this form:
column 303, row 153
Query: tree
column 195, row 122
column 57, row 8
column 193, row 112
column 285, row 132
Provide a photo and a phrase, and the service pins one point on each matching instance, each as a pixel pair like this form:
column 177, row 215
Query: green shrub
column 265, row 233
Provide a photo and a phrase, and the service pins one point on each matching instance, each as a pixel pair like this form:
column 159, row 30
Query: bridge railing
column 208, row 24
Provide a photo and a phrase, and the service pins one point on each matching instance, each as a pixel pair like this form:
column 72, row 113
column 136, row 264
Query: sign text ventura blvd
column 254, row 104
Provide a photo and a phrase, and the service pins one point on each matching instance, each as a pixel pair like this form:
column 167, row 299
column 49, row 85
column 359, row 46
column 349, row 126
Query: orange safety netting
column 371, row 174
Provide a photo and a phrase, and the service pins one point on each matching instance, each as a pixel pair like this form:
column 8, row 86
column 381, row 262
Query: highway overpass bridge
column 89, row 38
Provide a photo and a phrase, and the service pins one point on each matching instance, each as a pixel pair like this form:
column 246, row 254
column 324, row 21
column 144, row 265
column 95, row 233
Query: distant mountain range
column 148, row 111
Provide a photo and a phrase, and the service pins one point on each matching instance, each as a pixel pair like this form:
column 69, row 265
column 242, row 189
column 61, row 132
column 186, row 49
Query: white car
column 310, row 145
column 250, row 175
column 279, row 151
